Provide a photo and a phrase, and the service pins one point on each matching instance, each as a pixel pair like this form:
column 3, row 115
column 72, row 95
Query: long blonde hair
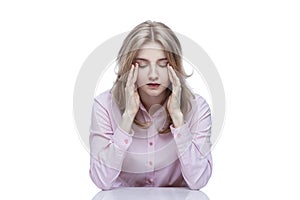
column 150, row 31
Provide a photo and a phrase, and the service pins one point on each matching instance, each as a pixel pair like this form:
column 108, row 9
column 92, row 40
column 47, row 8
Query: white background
column 255, row 46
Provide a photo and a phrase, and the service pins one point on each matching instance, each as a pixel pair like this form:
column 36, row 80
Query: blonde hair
column 150, row 31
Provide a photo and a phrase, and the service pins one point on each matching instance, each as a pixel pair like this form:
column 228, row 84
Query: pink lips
column 153, row 85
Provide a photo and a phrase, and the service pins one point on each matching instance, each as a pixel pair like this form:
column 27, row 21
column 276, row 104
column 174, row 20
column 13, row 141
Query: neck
column 149, row 101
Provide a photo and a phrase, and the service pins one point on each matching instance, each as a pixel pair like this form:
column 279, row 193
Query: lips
column 153, row 84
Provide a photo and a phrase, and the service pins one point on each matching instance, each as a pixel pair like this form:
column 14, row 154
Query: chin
column 153, row 92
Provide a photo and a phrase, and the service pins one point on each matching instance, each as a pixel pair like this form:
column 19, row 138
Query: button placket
column 149, row 179
column 150, row 149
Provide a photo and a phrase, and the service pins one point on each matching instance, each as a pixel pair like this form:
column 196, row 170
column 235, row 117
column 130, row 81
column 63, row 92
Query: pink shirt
column 143, row 157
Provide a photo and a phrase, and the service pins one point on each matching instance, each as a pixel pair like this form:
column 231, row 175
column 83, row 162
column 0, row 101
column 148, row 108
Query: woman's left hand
column 173, row 104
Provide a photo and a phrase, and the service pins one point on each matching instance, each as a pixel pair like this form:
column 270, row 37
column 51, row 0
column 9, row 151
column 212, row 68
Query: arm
column 107, row 148
column 193, row 145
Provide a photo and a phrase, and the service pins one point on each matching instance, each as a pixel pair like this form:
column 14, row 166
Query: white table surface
column 153, row 193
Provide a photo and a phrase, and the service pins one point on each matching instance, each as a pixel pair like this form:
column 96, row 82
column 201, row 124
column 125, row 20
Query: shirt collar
column 142, row 107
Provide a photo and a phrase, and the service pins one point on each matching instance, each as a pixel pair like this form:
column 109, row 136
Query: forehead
column 151, row 51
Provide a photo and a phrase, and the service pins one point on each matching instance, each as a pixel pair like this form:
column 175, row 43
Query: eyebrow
column 144, row 59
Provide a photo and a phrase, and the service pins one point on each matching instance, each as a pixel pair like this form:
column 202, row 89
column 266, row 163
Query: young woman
column 150, row 129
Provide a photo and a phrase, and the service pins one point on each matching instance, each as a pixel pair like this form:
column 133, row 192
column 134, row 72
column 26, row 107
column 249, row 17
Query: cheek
column 141, row 78
column 164, row 75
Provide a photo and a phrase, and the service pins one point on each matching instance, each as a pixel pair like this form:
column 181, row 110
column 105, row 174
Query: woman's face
column 153, row 76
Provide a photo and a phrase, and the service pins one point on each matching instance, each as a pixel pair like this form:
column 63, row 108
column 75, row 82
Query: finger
column 136, row 71
column 171, row 78
column 174, row 76
column 129, row 76
column 170, row 74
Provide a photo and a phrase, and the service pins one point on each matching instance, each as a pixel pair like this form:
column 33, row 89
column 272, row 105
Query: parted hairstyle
column 151, row 31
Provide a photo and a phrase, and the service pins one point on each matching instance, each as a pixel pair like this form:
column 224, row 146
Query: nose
column 153, row 73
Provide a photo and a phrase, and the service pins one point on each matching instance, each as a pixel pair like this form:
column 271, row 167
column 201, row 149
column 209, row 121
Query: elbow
column 103, row 185
column 197, row 185
column 199, row 182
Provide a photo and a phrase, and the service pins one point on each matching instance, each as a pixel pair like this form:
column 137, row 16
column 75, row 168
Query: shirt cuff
column 122, row 139
column 182, row 136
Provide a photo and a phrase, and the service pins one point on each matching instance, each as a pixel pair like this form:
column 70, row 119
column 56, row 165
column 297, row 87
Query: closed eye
column 142, row 63
column 162, row 63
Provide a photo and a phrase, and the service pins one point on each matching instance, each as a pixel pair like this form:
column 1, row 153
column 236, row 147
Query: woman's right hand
column 131, row 94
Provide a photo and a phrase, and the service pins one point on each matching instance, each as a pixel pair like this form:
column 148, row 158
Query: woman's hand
column 173, row 104
column 131, row 94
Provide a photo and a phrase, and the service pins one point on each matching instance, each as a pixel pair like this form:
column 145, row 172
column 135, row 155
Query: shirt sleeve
column 107, row 147
column 193, row 147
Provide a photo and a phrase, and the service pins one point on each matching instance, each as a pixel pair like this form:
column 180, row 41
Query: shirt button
column 150, row 143
column 149, row 180
column 150, row 163
column 126, row 141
